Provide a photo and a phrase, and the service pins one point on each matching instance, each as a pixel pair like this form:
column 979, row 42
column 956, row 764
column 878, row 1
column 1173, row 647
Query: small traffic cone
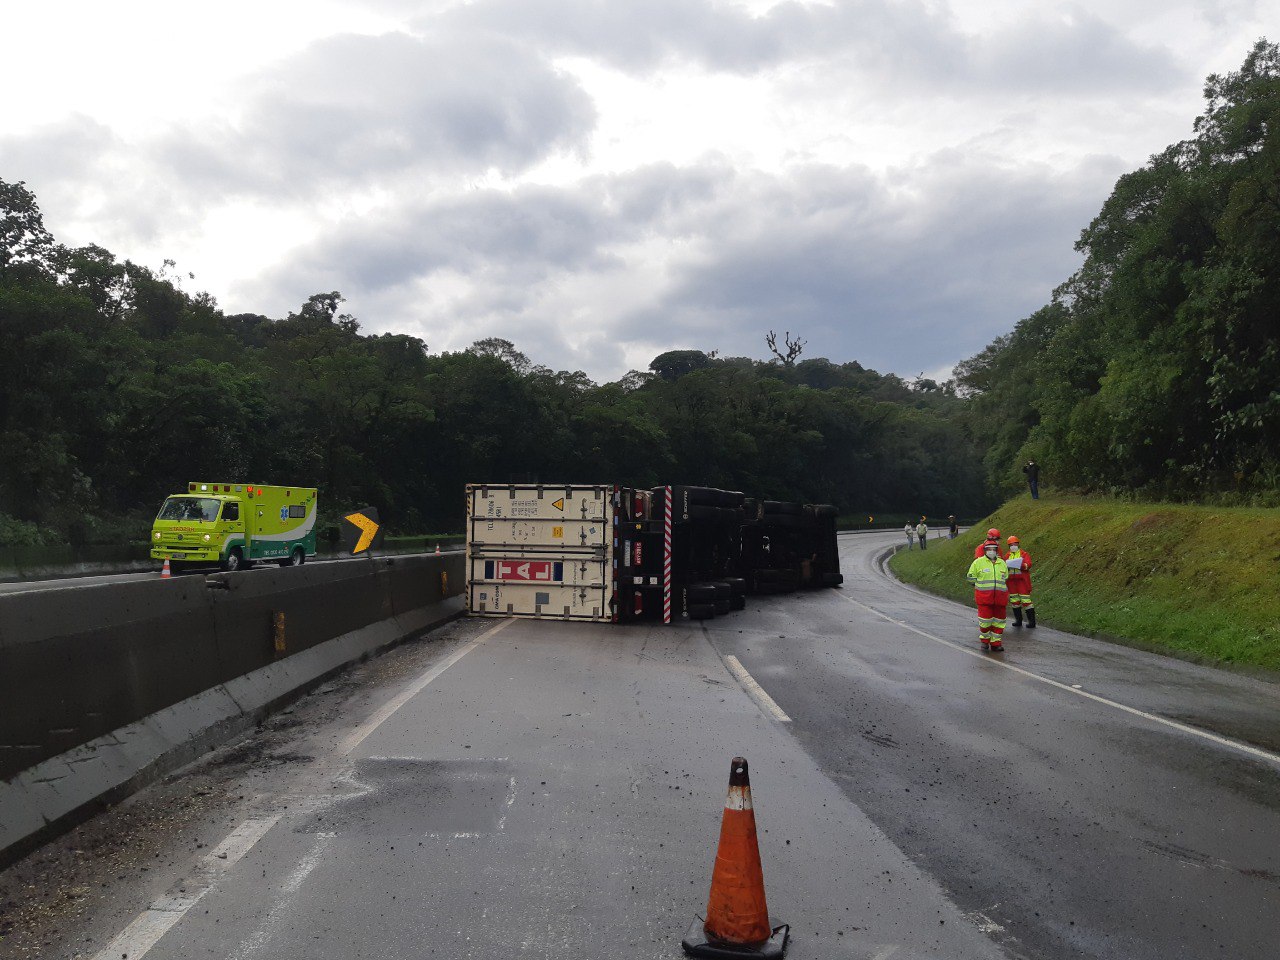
column 737, row 922
column 437, row 549
column 165, row 572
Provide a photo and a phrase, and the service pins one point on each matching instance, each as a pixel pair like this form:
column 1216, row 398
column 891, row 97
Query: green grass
column 1202, row 583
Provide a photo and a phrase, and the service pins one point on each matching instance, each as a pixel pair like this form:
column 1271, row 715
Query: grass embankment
column 1202, row 583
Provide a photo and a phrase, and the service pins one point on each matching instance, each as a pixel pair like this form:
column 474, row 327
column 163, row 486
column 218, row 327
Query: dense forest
column 1155, row 369
column 117, row 387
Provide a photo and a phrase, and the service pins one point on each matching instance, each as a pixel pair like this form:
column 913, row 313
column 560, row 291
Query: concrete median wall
column 106, row 686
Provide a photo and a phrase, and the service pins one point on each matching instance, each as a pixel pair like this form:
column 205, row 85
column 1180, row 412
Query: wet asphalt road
column 1068, row 827
column 516, row 788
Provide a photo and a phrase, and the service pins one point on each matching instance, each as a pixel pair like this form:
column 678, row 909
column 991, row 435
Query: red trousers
column 991, row 621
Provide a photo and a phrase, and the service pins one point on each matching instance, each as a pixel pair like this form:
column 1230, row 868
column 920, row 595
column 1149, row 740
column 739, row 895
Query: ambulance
column 234, row 525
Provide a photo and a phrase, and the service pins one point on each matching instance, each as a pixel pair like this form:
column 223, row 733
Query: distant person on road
column 989, row 576
column 922, row 533
column 910, row 531
column 993, row 539
column 1032, row 470
column 1019, row 563
column 953, row 529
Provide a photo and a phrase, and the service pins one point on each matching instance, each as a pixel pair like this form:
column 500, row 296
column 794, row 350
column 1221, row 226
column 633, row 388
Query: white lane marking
column 153, row 923
column 1116, row 705
column 885, row 953
column 360, row 733
column 748, row 682
column 290, row 887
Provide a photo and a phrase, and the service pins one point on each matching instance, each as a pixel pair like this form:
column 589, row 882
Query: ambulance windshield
column 189, row 508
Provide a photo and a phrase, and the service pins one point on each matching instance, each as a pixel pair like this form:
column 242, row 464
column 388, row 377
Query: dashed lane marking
column 766, row 702
column 135, row 940
column 153, row 923
column 1252, row 751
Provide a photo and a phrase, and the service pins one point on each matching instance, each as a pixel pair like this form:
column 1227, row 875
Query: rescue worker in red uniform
column 993, row 536
column 1019, row 563
column 989, row 575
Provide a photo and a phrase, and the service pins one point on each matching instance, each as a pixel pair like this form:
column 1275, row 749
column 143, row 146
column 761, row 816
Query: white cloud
column 599, row 180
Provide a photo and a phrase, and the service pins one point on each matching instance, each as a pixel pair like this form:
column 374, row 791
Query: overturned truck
column 625, row 555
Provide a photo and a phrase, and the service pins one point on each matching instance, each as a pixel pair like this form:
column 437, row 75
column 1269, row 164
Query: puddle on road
column 402, row 797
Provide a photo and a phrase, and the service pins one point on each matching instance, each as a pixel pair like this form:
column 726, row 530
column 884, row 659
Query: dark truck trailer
column 623, row 554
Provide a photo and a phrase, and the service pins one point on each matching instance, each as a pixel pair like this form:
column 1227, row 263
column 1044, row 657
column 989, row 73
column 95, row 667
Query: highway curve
column 518, row 788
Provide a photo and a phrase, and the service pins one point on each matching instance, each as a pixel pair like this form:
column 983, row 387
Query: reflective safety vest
column 1020, row 580
column 989, row 578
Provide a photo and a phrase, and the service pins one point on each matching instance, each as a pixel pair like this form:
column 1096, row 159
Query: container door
column 539, row 551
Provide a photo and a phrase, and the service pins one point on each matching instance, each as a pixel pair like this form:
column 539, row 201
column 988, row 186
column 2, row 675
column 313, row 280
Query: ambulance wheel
column 295, row 559
column 701, row 611
column 233, row 561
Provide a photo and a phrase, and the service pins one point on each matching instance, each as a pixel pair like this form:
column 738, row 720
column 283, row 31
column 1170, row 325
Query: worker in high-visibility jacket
column 1019, row 563
column 989, row 576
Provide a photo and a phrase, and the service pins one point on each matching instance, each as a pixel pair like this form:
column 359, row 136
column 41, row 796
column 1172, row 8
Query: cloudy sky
column 895, row 181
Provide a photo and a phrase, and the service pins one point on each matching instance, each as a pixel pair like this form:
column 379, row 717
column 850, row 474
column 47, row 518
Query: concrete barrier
column 106, row 687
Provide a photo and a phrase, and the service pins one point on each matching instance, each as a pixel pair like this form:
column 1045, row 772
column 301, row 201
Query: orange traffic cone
column 165, row 572
column 737, row 922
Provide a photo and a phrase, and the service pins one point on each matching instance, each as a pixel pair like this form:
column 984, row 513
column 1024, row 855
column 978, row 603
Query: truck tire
column 295, row 559
column 703, row 511
column 832, row 579
column 233, row 561
column 702, row 611
column 724, row 597
column 699, row 593
column 783, row 507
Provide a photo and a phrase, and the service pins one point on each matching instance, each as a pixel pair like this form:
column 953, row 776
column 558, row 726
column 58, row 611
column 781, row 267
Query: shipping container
column 539, row 551
column 607, row 552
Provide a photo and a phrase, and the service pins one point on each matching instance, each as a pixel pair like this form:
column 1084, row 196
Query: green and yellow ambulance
column 236, row 524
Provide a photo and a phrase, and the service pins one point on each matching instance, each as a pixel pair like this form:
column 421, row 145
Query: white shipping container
column 540, row 551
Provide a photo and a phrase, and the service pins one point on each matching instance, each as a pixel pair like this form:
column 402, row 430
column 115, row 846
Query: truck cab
column 234, row 525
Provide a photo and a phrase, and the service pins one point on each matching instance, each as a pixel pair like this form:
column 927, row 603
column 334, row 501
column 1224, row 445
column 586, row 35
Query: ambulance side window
column 297, row 511
column 231, row 510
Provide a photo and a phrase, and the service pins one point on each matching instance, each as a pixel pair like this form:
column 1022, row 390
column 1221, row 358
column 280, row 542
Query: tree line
column 1155, row 368
column 117, row 387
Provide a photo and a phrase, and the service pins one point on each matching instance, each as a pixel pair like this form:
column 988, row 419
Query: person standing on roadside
column 1019, row 563
column 922, row 533
column 910, row 531
column 953, row 529
column 993, row 539
column 989, row 576
column 1032, row 470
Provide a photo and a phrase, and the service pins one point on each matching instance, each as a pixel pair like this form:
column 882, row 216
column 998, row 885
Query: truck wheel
column 700, row 593
column 296, row 559
column 724, row 597
column 701, row 611
column 233, row 561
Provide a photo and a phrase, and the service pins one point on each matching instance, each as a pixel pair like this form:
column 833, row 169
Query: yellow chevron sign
column 368, row 530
